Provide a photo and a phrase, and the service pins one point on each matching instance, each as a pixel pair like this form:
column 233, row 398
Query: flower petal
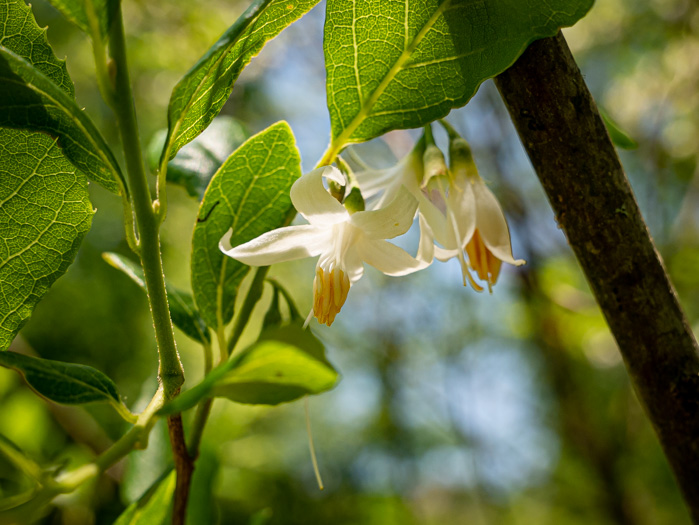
column 313, row 201
column 461, row 216
column 444, row 255
column 391, row 221
column 425, row 250
column 492, row 225
column 282, row 244
column 434, row 218
column 373, row 182
column 389, row 258
column 352, row 263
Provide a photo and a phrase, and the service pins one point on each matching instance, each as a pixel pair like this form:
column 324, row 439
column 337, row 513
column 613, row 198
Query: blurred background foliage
column 454, row 407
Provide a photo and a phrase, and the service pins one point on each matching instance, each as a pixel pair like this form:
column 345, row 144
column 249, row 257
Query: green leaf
column 401, row 64
column 65, row 383
column 30, row 100
column 153, row 508
column 249, row 193
column 273, row 317
column 285, row 363
column 182, row 310
column 92, row 16
column 44, row 214
column 203, row 91
column 21, row 34
column 195, row 164
column 619, row 137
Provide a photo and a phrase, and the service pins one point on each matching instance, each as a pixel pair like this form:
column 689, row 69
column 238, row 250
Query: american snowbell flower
column 456, row 208
column 475, row 221
column 343, row 240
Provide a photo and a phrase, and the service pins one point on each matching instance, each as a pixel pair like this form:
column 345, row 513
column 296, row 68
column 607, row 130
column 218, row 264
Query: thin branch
column 565, row 138
column 170, row 371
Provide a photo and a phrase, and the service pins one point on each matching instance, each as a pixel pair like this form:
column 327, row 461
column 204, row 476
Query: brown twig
column 565, row 138
column 184, row 466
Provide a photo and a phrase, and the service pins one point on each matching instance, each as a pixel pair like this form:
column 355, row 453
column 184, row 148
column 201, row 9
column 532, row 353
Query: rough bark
column 565, row 138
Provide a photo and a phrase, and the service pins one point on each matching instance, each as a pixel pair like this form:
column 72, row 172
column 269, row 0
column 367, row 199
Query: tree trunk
column 566, row 140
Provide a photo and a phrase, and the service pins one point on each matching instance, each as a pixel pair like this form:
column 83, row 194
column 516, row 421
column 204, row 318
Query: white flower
column 456, row 209
column 343, row 241
column 476, row 224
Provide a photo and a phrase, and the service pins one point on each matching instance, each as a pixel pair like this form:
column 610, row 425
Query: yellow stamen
column 330, row 291
column 486, row 265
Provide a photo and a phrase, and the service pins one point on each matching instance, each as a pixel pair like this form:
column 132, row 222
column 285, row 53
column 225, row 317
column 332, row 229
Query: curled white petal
column 444, row 255
column 282, row 244
column 492, row 224
column 390, row 221
column 312, row 200
column 389, row 258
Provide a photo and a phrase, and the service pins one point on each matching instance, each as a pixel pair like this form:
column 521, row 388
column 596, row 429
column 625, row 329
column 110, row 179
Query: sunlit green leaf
column 249, row 193
column 401, row 64
column 195, row 164
column 203, row 91
column 153, row 508
column 89, row 14
column 44, row 215
column 286, row 363
column 20, row 33
column 65, row 383
column 184, row 313
column 30, row 100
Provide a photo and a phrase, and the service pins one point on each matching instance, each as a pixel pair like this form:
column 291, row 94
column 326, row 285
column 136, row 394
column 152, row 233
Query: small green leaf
column 153, row 508
column 273, row 317
column 203, row 91
column 195, row 164
column 619, row 137
column 401, row 64
column 65, row 383
column 182, row 310
column 294, row 314
column 92, row 16
column 249, row 193
column 44, row 214
column 21, row 34
column 30, row 100
column 286, row 363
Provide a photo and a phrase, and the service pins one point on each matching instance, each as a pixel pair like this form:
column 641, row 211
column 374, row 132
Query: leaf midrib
column 343, row 138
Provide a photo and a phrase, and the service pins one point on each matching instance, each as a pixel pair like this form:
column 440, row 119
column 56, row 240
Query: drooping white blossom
column 343, row 241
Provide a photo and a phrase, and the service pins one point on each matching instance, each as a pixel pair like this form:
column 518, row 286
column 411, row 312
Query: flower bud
column 354, row 202
column 434, row 165
column 460, row 159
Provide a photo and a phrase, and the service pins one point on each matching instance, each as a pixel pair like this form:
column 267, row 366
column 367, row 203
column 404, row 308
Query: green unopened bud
column 434, row 165
column 336, row 190
column 354, row 201
column 461, row 159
